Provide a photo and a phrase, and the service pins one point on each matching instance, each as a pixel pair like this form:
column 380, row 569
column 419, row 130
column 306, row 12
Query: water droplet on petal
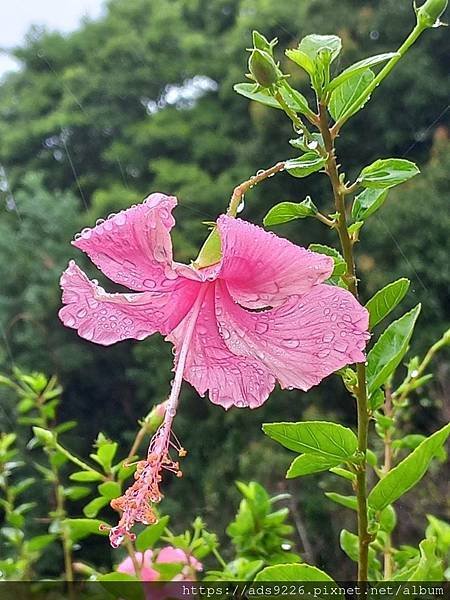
column 328, row 337
column 149, row 283
column 290, row 343
column 340, row 346
column 323, row 353
column 81, row 313
column 261, row 327
column 120, row 219
column 225, row 333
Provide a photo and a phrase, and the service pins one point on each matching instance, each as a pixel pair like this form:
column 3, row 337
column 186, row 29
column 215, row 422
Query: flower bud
column 262, row 43
column 44, row 436
column 263, row 68
column 211, row 251
column 428, row 14
column 156, row 417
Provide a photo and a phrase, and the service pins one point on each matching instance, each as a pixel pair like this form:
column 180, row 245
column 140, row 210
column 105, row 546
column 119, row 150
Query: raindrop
column 328, row 337
column 290, row 343
column 261, row 327
column 120, row 219
column 99, row 222
column 340, row 346
column 149, row 283
column 70, row 321
column 323, row 353
column 225, row 333
column 241, row 206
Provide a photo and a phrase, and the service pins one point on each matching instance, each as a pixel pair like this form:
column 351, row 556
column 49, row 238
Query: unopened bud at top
column 262, row 43
column 429, row 14
column 262, row 68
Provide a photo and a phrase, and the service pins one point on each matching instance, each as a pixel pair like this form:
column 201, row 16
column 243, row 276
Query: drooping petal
column 211, row 366
column 262, row 269
column 134, row 248
column 302, row 341
column 108, row 318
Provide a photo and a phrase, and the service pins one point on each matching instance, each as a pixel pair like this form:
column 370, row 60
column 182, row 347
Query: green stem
column 403, row 392
column 76, row 461
column 412, row 37
column 361, row 392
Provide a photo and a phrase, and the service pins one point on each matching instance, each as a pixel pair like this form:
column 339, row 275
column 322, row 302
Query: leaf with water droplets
column 386, row 299
column 328, row 440
column 359, row 66
column 304, row 165
column 288, row 211
column 387, row 172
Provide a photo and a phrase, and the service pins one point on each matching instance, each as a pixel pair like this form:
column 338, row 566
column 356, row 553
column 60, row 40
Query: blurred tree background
column 142, row 100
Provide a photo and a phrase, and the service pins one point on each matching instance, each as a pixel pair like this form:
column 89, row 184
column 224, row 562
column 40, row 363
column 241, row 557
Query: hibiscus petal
column 134, row 248
column 210, row 366
column 302, row 341
column 108, row 318
column 262, row 269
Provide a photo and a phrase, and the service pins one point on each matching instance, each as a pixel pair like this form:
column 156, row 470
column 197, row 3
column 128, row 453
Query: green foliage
column 293, row 573
column 390, row 348
column 408, row 472
column 289, row 211
column 305, row 165
column 387, row 173
column 385, row 300
column 258, row 532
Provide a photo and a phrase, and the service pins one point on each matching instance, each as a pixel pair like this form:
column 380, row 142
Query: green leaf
column 328, row 440
column 368, row 202
column 167, row 571
column 105, row 455
column 310, row 48
column 76, row 492
column 86, row 476
column 349, row 544
column 385, row 300
column 343, row 473
column 430, row 566
column 151, row 534
column 340, row 266
column 305, row 165
column 288, row 211
column 305, row 464
column 387, row 172
column 291, row 572
column 94, row 506
column 359, row 66
column 110, row 489
column 389, row 349
column 347, row 501
column 388, row 519
column 122, row 585
column 441, row 531
column 342, row 100
column 81, row 528
column 407, row 473
column 40, row 542
column 252, row 91
column 294, row 99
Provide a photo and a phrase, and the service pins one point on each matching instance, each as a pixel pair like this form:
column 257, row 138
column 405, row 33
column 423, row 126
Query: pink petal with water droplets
column 211, row 366
column 144, row 560
column 134, row 248
column 262, row 269
column 108, row 318
column 302, row 341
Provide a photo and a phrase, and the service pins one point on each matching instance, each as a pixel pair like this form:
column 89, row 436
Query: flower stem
column 242, row 188
column 412, row 37
column 361, row 392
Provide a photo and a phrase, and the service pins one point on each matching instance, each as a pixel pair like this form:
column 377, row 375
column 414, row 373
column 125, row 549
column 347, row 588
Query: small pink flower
column 261, row 314
column 145, row 561
column 168, row 554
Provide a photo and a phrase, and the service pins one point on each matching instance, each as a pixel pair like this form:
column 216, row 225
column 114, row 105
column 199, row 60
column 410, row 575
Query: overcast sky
column 17, row 16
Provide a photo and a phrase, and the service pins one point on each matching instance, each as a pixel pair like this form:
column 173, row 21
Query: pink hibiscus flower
column 260, row 314
column 168, row 554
